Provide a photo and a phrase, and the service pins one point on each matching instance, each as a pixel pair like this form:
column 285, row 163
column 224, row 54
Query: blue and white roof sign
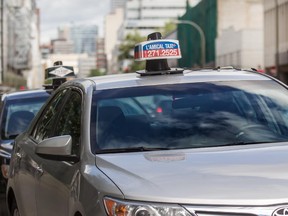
column 157, row 49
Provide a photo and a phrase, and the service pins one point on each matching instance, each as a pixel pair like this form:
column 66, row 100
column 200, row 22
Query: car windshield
column 184, row 116
column 17, row 115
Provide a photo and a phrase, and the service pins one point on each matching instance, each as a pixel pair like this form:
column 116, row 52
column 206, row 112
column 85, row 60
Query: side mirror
column 57, row 148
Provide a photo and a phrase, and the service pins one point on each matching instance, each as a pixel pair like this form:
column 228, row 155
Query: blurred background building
column 20, row 53
column 101, row 63
column 115, row 4
column 113, row 22
column 146, row 16
column 276, row 38
column 246, row 33
column 137, row 16
column 75, row 45
column 84, row 38
column 234, row 39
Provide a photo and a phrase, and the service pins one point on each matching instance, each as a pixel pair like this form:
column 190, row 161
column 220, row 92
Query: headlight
column 116, row 207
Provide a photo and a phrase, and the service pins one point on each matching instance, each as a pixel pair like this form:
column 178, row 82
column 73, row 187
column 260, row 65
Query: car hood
column 236, row 175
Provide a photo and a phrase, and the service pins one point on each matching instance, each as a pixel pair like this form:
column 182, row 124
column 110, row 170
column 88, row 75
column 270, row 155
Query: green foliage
column 136, row 66
column 95, row 72
column 169, row 27
column 126, row 51
column 13, row 80
column 48, row 82
column 127, row 46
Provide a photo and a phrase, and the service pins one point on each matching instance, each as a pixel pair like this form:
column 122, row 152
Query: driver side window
column 46, row 123
column 69, row 120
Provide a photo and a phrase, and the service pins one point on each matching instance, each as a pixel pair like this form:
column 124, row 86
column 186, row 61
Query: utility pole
column 277, row 40
column 2, row 42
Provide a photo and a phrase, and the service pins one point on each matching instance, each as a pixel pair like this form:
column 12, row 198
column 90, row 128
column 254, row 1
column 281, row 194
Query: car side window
column 70, row 119
column 45, row 126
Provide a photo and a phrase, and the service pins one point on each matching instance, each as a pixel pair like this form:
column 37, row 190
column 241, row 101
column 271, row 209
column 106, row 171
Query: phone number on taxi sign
column 160, row 53
column 157, row 49
column 160, row 49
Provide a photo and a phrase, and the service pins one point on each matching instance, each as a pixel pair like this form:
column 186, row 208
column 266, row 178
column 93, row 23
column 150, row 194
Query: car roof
column 25, row 94
column 188, row 76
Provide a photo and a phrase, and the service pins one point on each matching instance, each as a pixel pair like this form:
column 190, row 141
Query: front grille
column 223, row 214
column 234, row 210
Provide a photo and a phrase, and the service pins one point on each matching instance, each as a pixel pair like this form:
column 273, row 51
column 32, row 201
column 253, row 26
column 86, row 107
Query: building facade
column 240, row 40
column 234, row 39
column 117, row 4
column 84, row 38
column 276, row 38
column 147, row 16
column 62, row 46
column 86, row 64
column 113, row 22
column 101, row 62
column 19, row 42
column 141, row 16
column 71, row 59
column 76, row 45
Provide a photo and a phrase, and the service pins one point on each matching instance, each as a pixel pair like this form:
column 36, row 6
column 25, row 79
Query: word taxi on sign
column 157, row 49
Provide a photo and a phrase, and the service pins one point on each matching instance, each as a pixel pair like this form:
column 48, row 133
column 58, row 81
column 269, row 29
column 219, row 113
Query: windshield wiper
column 132, row 149
column 245, row 143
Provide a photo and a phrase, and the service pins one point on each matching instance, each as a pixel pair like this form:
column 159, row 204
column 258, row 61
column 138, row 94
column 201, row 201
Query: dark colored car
column 17, row 111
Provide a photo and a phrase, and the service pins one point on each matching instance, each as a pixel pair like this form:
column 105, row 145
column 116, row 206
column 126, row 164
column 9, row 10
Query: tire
column 14, row 211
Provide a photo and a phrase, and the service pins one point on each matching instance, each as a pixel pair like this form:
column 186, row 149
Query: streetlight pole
column 2, row 41
column 277, row 39
column 202, row 37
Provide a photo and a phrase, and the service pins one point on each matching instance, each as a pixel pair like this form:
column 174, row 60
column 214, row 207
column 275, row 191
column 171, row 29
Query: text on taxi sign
column 157, row 49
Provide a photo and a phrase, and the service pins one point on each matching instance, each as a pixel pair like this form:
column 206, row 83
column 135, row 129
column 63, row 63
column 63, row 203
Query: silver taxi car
column 189, row 143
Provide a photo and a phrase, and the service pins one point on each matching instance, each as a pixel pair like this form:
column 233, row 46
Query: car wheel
column 14, row 209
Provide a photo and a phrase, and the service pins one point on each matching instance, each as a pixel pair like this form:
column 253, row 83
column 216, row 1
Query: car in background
column 17, row 110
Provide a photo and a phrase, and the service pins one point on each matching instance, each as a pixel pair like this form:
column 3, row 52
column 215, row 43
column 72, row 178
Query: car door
column 25, row 162
column 57, row 187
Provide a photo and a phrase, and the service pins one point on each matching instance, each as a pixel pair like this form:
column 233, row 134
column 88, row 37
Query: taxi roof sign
column 157, row 49
column 59, row 74
column 59, row 71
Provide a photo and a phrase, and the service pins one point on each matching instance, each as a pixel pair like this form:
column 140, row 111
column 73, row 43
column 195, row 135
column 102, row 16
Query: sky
column 57, row 13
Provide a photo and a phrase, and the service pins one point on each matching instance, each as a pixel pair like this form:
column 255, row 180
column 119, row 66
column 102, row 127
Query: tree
column 126, row 52
column 168, row 28
column 95, row 72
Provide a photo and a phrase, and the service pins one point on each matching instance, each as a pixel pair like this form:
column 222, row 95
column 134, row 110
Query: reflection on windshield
column 190, row 115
